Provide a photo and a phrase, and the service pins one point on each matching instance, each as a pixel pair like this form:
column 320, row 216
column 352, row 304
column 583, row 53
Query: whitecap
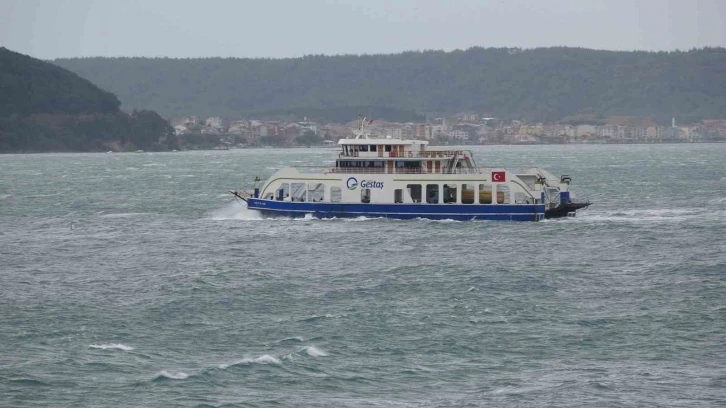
column 306, row 217
column 264, row 359
column 173, row 376
column 289, row 356
column 296, row 339
column 315, row 352
column 111, row 346
column 361, row 218
column 640, row 216
column 235, row 211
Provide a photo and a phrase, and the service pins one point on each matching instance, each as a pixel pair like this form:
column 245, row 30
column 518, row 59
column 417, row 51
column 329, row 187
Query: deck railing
column 399, row 170
column 427, row 154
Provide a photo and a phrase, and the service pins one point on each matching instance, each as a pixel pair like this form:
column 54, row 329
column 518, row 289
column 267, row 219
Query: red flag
column 499, row 176
column 371, row 121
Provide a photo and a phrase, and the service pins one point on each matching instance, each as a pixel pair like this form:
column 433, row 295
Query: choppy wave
column 27, row 381
column 161, row 375
column 318, row 317
column 315, row 352
column 120, row 215
column 295, row 339
column 264, row 359
column 111, row 346
column 267, row 298
column 640, row 216
column 235, row 211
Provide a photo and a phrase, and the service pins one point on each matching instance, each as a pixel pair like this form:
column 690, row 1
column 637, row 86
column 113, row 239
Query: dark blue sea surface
column 136, row 280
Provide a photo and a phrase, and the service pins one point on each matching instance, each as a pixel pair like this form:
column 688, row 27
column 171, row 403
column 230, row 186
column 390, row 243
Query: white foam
column 111, row 346
column 235, row 211
column 361, row 218
column 315, row 352
column 174, row 376
column 264, row 359
column 443, row 221
column 288, row 357
column 640, row 216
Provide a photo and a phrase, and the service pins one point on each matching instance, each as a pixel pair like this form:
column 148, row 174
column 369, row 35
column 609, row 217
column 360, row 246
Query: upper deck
column 368, row 153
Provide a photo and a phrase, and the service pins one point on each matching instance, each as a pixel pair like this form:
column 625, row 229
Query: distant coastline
column 212, row 133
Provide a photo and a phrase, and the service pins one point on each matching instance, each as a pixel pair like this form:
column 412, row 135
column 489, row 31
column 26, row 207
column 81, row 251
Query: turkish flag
column 499, row 176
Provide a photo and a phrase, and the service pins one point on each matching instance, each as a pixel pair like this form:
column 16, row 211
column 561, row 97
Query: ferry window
column 502, row 194
column 485, row 193
column 365, row 195
column 408, row 166
column 388, row 148
column 373, row 148
column 335, row 195
column 363, row 148
column 467, row 194
column 414, row 190
column 449, row 193
column 316, row 192
column 283, row 192
column 432, row 193
column 298, row 191
column 398, row 195
column 522, row 198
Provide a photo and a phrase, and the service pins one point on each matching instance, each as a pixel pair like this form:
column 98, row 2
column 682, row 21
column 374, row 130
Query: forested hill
column 47, row 108
column 536, row 84
column 32, row 86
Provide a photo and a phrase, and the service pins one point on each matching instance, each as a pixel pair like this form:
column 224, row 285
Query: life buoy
column 410, row 154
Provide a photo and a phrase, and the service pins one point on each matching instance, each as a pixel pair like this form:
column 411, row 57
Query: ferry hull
column 459, row 212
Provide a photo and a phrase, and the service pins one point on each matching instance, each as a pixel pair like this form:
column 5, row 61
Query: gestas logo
column 352, row 184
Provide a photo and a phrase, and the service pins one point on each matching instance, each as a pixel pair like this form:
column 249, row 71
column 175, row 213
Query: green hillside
column 46, row 108
column 537, row 84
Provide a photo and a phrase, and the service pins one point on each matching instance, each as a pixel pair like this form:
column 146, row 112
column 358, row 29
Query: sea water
column 137, row 280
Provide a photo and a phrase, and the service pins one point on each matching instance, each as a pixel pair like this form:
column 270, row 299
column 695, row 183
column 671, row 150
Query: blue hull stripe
column 520, row 212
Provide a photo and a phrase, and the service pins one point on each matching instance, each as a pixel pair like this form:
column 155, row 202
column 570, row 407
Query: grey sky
column 284, row 28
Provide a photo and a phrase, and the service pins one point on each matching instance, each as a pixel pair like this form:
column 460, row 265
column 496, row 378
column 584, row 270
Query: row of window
column 350, row 149
column 361, row 163
column 450, row 194
column 430, row 193
column 399, row 164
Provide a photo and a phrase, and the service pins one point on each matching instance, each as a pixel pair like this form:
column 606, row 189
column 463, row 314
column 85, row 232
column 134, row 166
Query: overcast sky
column 286, row 28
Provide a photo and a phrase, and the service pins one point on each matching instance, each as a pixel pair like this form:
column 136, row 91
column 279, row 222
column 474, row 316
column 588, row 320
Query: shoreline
column 335, row 146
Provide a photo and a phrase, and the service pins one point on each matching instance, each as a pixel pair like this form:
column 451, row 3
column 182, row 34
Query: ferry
column 386, row 177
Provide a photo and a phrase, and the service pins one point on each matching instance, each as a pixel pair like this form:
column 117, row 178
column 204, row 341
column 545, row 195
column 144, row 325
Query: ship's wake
column 235, row 211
